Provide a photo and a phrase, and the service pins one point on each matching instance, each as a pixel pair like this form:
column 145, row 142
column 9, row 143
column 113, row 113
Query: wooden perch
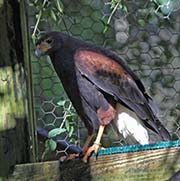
column 159, row 164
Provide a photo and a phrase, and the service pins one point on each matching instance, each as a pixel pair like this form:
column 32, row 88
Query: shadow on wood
column 75, row 170
column 13, row 149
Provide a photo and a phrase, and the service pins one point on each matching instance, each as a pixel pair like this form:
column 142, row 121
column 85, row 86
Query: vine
column 148, row 10
column 45, row 10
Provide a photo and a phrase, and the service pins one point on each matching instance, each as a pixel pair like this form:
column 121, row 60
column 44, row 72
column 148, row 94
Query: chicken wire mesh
column 145, row 33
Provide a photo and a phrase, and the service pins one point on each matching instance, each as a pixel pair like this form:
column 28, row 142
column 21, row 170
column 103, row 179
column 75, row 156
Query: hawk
column 102, row 89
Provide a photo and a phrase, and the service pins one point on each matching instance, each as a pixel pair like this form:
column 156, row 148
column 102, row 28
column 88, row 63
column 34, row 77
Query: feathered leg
column 87, row 143
column 105, row 116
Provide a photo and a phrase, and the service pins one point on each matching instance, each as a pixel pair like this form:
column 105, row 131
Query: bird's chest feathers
column 64, row 66
column 67, row 72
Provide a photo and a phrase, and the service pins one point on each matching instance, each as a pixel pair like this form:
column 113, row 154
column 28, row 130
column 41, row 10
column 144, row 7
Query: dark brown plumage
column 96, row 79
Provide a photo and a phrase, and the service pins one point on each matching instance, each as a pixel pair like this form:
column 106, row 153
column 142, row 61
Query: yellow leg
column 96, row 146
column 99, row 135
column 73, row 156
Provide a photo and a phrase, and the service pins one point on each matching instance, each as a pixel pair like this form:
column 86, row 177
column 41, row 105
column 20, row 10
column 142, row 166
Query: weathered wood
column 36, row 171
column 28, row 68
column 14, row 134
column 13, row 125
column 12, row 103
column 149, row 165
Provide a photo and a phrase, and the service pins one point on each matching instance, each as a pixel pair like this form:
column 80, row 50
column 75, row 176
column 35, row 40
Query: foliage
column 67, row 126
column 52, row 10
column 149, row 10
column 69, row 116
column 114, row 6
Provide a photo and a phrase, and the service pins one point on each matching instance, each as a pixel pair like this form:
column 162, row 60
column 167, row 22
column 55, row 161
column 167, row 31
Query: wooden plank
column 13, row 122
column 149, row 165
column 36, row 171
column 28, row 68
column 12, row 103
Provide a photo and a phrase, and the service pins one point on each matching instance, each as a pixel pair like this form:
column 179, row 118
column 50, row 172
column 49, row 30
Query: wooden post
column 15, row 123
column 156, row 165
column 28, row 68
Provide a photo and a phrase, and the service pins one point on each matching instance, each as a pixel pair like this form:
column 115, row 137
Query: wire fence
column 145, row 33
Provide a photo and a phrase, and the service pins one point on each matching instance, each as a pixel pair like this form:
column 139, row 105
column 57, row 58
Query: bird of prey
column 102, row 89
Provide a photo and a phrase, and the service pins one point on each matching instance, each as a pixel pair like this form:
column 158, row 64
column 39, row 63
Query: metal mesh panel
column 149, row 43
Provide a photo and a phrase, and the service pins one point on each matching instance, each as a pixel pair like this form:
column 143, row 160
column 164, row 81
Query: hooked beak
column 38, row 52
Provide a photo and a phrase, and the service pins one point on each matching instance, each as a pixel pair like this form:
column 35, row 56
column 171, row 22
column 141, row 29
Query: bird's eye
column 49, row 41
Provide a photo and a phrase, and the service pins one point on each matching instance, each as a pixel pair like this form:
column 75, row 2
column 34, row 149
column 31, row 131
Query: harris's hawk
column 102, row 88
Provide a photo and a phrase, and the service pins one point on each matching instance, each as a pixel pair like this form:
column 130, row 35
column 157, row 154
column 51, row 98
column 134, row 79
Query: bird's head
column 49, row 43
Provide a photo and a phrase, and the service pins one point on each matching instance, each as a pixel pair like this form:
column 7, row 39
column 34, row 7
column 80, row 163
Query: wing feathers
column 113, row 79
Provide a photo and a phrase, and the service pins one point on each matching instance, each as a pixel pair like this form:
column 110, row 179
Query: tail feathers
column 128, row 124
column 162, row 131
column 154, row 124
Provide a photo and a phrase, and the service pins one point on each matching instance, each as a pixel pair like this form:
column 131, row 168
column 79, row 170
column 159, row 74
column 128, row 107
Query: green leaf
column 106, row 27
column 52, row 144
column 73, row 141
column 53, row 15
column 71, row 130
column 141, row 22
column 55, row 132
column 61, row 102
column 47, row 144
column 123, row 8
column 113, row 3
column 162, row 2
column 47, row 149
column 34, row 40
column 59, row 6
column 167, row 9
column 67, row 125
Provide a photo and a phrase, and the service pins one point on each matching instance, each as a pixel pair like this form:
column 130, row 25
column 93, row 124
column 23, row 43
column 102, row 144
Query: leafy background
column 145, row 33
